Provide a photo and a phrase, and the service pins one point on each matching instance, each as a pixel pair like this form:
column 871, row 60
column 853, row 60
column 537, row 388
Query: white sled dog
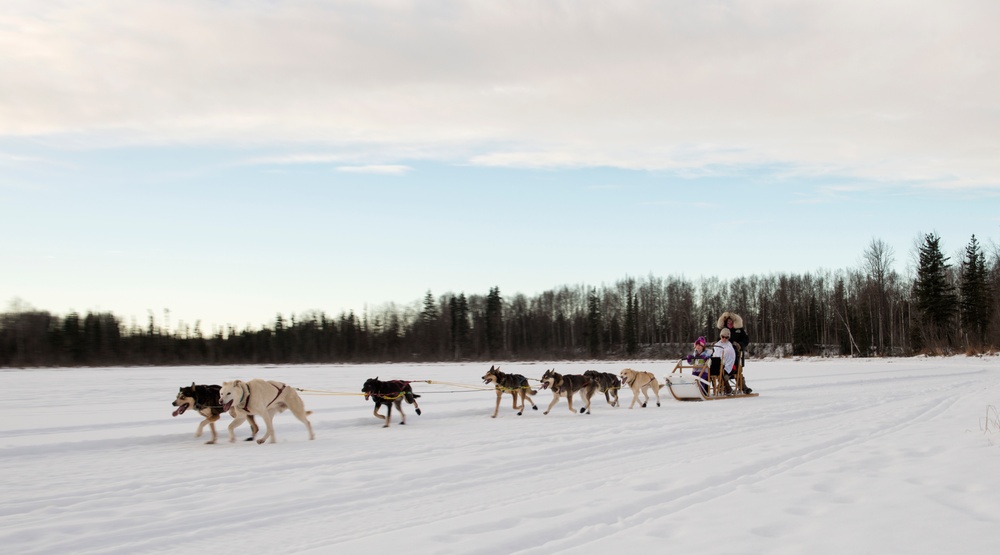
column 263, row 398
column 640, row 381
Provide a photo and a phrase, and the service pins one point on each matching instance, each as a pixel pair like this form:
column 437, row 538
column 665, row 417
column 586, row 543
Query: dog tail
column 410, row 397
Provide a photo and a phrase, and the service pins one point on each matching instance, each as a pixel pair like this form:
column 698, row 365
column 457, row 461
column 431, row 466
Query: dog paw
column 210, row 442
column 418, row 411
column 644, row 405
column 260, row 442
column 534, row 407
column 657, row 404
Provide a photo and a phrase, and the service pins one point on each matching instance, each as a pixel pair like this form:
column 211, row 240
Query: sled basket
column 687, row 387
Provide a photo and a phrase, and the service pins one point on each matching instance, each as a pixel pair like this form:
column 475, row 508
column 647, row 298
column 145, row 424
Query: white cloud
column 296, row 159
column 883, row 90
column 376, row 169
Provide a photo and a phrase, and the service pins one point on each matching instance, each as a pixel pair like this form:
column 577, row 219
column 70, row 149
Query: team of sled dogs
column 245, row 400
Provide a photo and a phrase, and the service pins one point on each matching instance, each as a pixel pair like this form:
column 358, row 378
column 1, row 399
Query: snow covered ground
column 835, row 456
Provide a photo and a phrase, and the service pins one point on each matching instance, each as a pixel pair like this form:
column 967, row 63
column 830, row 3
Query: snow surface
column 835, row 456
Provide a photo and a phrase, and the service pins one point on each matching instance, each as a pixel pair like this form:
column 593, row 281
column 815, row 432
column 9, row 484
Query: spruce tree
column 459, row 307
column 933, row 294
column 429, row 317
column 631, row 320
column 594, row 324
column 494, row 323
column 975, row 295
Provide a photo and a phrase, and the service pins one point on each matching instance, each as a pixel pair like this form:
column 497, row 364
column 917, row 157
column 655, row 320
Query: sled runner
column 690, row 387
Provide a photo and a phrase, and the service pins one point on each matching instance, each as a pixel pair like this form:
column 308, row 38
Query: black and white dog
column 204, row 399
column 390, row 393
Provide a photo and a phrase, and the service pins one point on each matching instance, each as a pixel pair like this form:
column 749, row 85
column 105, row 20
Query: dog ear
column 192, row 384
column 238, row 383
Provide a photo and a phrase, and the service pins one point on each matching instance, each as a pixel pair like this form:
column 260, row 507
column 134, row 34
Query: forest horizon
column 866, row 311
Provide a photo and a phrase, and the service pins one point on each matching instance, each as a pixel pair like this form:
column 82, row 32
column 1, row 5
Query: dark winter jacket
column 739, row 335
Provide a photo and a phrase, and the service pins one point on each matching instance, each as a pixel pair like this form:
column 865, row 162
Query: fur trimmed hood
column 737, row 321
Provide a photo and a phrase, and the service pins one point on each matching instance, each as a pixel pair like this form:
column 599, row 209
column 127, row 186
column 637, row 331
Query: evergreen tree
column 975, row 295
column 459, row 308
column 594, row 324
column 428, row 332
column 933, row 294
column 631, row 320
column 494, row 323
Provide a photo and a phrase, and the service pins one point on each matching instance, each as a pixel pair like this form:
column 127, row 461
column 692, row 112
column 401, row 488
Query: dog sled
column 691, row 387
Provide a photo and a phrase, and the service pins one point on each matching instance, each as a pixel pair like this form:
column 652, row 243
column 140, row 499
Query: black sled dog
column 390, row 393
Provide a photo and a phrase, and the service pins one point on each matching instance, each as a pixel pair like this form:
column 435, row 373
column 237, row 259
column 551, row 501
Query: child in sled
column 699, row 359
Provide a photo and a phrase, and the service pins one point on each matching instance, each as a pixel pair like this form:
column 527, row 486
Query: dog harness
column 246, row 405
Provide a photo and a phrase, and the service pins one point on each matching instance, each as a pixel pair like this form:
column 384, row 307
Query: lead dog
column 390, row 393
column 607, row 383
column 640, row 381
column 263, row 398
column 566, row 386
column 515, row 384
column 205, row 400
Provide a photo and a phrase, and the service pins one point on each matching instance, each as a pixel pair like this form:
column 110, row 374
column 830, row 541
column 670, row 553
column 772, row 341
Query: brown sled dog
column 515, row 384
column 640, row 381
column 606, row 383
column 205, row 400
column 566, row 386
column 390, row 393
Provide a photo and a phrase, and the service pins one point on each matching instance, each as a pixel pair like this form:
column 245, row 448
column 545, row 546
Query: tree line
column 870, row 310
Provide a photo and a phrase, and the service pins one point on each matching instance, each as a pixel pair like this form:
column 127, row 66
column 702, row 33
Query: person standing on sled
column 699, row 358
column 734, row 323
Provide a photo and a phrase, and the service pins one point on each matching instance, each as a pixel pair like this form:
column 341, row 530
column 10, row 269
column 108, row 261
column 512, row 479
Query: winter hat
column 700, row 341
column 737, row 320
column 724, row 332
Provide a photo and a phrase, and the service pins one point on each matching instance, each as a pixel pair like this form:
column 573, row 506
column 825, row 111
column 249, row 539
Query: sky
column 230, row 161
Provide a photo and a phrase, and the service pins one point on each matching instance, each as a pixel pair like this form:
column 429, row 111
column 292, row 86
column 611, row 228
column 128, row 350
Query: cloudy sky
column 229, row 161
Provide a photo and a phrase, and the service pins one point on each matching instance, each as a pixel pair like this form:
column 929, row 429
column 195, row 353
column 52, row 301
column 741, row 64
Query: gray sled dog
column 205, row 400
column 566, row 386
column 640, row 381
column 515, row 384
column 263, row 398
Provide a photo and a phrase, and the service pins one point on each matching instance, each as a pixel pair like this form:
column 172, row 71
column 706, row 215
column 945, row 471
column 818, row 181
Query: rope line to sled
column 469, row 388
column 453, row 384
column 324, row 392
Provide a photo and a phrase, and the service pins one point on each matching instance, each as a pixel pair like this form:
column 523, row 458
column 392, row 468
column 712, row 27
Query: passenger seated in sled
column 699, row 359
column 722, row 368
